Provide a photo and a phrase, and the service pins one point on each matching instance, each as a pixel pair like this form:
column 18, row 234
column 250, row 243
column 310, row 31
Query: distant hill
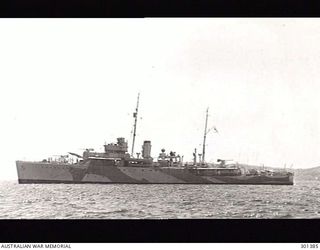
column 307, row 174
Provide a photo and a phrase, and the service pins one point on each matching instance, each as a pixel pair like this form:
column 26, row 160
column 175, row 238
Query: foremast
column 135, row 115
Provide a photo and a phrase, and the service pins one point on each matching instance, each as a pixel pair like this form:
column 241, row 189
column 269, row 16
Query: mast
column 135, row 115
column 206, row 131
column 204, row 137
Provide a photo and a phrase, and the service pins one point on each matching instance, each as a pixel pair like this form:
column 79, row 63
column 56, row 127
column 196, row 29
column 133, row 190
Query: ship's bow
column 19, row 171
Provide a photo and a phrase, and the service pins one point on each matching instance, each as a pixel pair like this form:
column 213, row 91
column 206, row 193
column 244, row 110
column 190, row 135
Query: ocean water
column 116, row 201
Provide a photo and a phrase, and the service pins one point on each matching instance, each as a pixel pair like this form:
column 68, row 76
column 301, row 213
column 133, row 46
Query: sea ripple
column 116, row 201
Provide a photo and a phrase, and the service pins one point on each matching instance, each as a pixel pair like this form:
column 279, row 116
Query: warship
column 116, row 166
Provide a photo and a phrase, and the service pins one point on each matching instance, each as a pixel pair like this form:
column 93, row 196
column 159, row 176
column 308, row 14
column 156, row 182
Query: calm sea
column 94, row 201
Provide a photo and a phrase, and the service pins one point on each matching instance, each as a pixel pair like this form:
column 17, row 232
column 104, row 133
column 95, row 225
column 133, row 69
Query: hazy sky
column 70, row 84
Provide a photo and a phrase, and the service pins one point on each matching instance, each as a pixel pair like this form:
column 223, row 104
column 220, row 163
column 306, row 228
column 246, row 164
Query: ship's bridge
column 121, row 147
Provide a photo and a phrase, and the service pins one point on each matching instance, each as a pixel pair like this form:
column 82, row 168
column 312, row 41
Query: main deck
column 39, row 172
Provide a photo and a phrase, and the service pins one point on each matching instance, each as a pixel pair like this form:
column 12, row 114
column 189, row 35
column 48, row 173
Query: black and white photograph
column 160, row 119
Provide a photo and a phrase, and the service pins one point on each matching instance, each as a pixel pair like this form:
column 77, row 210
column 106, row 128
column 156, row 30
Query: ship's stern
column 290, row 177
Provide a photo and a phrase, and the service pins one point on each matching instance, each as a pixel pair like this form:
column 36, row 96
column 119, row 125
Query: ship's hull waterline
column 41, row 172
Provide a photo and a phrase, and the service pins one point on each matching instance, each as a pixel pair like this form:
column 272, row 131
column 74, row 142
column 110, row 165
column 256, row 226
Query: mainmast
column 204, row 137
column 135, row 115
column 206, row 131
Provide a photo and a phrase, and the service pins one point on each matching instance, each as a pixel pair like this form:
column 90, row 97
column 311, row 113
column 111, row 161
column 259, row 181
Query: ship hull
column 39, row 172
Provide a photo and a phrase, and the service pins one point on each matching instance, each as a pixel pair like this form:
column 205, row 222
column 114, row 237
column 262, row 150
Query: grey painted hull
column 39, row 172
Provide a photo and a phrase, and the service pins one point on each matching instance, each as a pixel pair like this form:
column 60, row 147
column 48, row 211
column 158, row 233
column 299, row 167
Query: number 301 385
column 307, row 245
